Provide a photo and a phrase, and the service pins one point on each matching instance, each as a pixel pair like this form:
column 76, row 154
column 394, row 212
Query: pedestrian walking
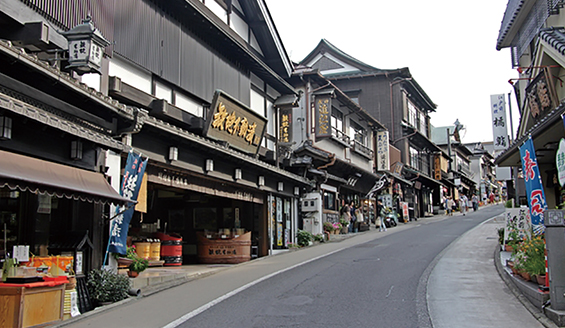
column 381, row 214
column 475, row 202
column 450, row 204
column 346, row 215
column 463, row 204
column 353, row 217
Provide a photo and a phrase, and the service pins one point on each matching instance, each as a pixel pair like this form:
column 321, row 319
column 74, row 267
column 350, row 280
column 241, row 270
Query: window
column 412, row 114
column 187, row 104
column 336, row 122
column 423, row 128
column 357, row 133
column 329, row 201
column 414, row 158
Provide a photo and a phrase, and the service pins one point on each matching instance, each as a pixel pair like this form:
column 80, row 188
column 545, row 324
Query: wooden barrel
column 220, row 251
column 143, row 249
column 171, row 252
column 155, row 251
column 171, row 248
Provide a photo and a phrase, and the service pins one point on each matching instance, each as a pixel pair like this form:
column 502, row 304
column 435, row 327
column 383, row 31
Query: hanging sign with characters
column 541, row 94
column 323, row 114
column 231, row 121
column 499, row 127
column 383, row 157
column 534, row 188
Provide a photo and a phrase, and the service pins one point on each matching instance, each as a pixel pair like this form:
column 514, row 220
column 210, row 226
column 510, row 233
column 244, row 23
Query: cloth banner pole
column 534, row 187
column 131, row 183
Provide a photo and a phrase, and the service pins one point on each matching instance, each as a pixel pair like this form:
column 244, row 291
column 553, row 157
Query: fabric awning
column 38, row 176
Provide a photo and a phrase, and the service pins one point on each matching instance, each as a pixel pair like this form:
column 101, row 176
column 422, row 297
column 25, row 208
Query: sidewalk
column 466, row 290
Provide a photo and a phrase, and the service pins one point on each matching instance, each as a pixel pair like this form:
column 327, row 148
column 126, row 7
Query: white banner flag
column 499, row 130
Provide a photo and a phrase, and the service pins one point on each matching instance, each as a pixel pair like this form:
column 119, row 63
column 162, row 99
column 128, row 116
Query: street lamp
column 86, row 46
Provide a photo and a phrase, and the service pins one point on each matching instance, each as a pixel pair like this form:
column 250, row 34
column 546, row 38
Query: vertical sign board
column 518, row 219
column 437, row 167
column 285, row 128
column 231, row 121
column 383, row 156
column 323, row 111
column 499, row 130
column 534, row 188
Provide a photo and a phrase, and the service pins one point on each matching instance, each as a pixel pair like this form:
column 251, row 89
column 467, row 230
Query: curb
column 536, row 313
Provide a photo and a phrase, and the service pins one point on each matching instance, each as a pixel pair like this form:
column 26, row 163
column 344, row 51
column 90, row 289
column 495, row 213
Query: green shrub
column 303, row 237
column 318, row 237
column 106, row 286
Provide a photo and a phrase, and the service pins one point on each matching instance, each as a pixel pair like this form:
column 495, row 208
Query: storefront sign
column 383, row 156
column 133, row 174
column 323, row 110
column 437, row 167
column 184, row 181
column 499, row 127
column 518, row 220
column 231, row 121
column 405, row 213
column 541, row 94
column 534, row 188
column 285, row 128
column 560, row 162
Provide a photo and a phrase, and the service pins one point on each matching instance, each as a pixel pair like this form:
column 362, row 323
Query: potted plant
column 328, row 226
column 344, row 225
column 107, row 287
column 303, row 238
column 138, row 264
column 534, row 261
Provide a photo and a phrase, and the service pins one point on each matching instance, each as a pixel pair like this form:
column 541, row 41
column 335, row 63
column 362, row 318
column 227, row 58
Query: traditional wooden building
column 195, row 87
column 394, row 98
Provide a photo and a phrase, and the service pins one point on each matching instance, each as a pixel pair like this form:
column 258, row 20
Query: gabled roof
column 260, row 20
column 335, row 64
column 338, row 61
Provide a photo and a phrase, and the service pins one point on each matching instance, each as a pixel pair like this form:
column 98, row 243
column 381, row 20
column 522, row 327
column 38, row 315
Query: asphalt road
column 373, row 280
column 380, row 283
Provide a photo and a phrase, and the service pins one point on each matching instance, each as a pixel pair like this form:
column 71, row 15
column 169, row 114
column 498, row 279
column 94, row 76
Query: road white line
column 210, row 304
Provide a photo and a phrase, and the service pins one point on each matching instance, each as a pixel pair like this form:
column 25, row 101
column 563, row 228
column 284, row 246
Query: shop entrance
column 188, row 213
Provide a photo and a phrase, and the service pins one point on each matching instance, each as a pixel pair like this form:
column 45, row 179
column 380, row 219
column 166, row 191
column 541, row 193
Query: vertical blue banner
column 534, row 188
column 133, row 175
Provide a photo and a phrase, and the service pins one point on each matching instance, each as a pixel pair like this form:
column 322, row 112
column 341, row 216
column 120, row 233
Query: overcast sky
column 449, row 47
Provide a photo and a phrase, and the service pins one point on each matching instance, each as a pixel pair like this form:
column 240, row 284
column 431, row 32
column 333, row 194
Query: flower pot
column 508, row 248
column 133, row 274
column 540, row 279
column 525, row 275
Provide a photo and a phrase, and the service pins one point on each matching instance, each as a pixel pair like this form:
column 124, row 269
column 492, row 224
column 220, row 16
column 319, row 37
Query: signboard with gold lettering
column 285, row 128
column 541, row 94
column 323, row 108
column 230, row 120
column 437, row 167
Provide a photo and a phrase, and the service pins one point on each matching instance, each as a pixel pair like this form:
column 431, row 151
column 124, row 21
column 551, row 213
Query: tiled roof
column 513, row 9
column 554, row 36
